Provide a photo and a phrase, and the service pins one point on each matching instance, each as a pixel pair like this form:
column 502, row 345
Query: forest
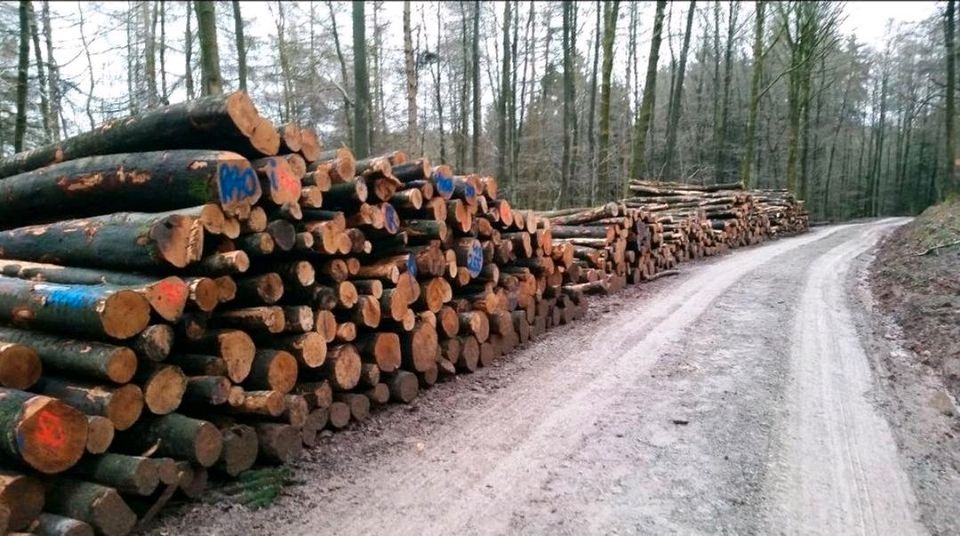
column 564, row 102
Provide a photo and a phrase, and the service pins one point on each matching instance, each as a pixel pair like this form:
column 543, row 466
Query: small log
column 359, row 405
column 404, row 386
column 163, row 386
column 19, row 365
column 279, row 443
column 338, row 415
column 310, row 145
column 309, row 349
column 469, row 358
column 207, row 390
column 23, row 497
column 369, row 375
column 342, row 367
column 264, row 319
column 316, row 421
column 295, row 410
column 54, row 525
column 176, row 436
column 272, row 369
column 240, row 447
column 381, row 348
column 135, row 475
column 99, row 506
column 317, row 394
column 121, row 404
column 100, row 432
column 266, row 403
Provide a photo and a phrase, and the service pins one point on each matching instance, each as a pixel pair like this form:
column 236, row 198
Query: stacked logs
column 193, row 291
column 645, row 236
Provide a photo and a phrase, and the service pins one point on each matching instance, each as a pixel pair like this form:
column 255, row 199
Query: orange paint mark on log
column 50, row 430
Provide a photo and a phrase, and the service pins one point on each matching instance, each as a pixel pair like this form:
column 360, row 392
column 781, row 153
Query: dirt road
column 737, row 397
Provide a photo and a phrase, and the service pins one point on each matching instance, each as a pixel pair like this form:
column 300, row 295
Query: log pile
column 194, row 291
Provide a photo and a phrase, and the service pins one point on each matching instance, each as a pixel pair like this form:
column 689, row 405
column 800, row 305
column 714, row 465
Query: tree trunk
column 411, row 74
column 476, row 101
column 592, row 114
column 568, row 103
column 86, row 52
column 610, row 10
column 361, row 116
column 187, row 55
column 241, row 45
column 343, row 72
column 673, row 122
column 746, row 169
column 23, row 67
column 950, row 186
column 649, row 96
column 150, row 53
column 164, row 97
column 41, row 76
column 502, row 108
column 53, row 75
column 721, row 131
column 209, row 51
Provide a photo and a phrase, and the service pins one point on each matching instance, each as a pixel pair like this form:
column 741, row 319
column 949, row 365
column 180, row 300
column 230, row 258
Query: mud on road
column 755, row 393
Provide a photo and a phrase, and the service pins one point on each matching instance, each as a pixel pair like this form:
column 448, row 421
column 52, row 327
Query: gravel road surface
column 754, row 393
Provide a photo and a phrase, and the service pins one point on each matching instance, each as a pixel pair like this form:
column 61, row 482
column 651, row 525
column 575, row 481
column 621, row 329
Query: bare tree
column 361, row 116
column 642, row 124
column 411, row 73
column 746, row 168
column 212, row 83
column 950, row 186
column 53, row 75
column 241, row 45
column 605, row 184
column 23, row 67
column 673, row 121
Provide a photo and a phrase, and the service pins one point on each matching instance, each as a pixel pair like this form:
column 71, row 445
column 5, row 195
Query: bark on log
column 124, row 240
column 22, row 495
column 240, row 446
column 54, row 525
column 132, row 182
column 135, row 475
column 121, row 404
column 40, row 432
column 78, row 309
column 176, row 436
column 99, row 506
column 227, row 122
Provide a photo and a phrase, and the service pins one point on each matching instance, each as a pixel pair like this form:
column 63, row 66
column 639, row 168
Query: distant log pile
column 195, row 291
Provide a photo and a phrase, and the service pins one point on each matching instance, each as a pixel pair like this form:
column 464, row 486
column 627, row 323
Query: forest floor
column 756, row 392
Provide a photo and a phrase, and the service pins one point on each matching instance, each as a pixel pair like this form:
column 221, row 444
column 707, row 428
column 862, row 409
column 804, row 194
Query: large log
column 134, row 182
column 93, row 360
column 78, row 309
column 124, row 240
column 54, row 525
column 40, row 432
column 224, row 122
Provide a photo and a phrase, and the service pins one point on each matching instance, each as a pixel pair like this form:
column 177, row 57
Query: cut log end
column 125, row 313
column 19, row 366
column 51, row 436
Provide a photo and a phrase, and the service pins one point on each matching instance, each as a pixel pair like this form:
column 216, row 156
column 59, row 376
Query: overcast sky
column 868, row 20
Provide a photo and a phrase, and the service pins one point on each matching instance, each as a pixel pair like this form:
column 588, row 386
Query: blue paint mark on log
column 470, row 191
column 70, row 297
column 443, row 185
column 411, row 265
column 236, row 182
column 391, row 221
column 272, row 173
column 475, row 259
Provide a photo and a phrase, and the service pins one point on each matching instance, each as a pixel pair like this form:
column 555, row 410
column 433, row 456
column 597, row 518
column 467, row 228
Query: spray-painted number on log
column 236, row 182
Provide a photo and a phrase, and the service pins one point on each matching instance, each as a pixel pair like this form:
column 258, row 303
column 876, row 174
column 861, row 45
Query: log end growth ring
column 19, row 366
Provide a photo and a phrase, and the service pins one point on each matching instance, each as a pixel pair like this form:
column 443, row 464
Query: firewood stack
column 193, row 291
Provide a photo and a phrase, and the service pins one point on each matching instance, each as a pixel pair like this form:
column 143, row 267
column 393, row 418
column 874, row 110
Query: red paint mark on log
column 171, row 291
column 50, row 430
